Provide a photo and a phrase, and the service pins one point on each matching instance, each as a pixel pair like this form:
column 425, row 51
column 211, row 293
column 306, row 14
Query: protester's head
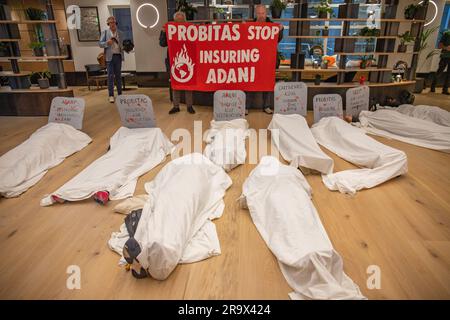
column 111, row 22
column 179, row 16
column 261, row 13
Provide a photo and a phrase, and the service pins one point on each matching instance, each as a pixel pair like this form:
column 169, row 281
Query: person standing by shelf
column 179, row 16
column 261, row 16
column 444, row 44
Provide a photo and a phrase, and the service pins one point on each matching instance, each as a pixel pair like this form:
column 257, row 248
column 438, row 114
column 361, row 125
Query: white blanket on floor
column 133, row 153
column 23, row 166
column 352, row 144
column 424, row 112
column 296, row 143
column 225, row 143
column 175, row 225
column 281, row 208
column 394, row 125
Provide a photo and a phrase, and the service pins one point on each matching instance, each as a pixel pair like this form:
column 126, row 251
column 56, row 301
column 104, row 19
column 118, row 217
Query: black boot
column 191, row 110
column 174, row 110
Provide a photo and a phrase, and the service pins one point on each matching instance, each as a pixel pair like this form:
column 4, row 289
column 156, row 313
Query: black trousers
column 444, row 63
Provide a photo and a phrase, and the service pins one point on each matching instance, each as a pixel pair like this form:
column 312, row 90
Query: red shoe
column 101, row 197
column 57, row 199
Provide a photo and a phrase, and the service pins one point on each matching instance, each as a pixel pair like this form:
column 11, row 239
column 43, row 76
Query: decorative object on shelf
column 400, row 67
column 366, row 61
column 38, row 48
column 324, row 9
column 315, row 64
column 276, row 8
column 330, row 60
column 324, row 64
column 317, row 79
column 316, row 51
column 187, row 8
column 405, row 39
column 325, row 31
column 35, row 14
column 362, row 80
column 90, row 25
column 43, row 79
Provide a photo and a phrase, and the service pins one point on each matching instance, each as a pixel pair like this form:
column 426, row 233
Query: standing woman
column 111, row 40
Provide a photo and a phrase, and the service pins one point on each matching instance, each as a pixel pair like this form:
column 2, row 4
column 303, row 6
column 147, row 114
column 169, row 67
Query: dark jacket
column 163, row 43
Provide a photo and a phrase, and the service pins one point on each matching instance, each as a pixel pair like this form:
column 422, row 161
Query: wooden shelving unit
column 23, row 99
column 382, row 46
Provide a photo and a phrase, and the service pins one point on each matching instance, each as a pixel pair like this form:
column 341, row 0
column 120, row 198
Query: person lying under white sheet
column 169, row 232
column 225, row 143
column 23, row 166
column 424, row 112
column 395, row 125
column 113, row 176
column 279, row 200
column 352, row 144
column 297, row 145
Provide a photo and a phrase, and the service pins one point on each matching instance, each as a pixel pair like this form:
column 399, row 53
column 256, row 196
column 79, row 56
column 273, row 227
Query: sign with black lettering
column 229, row 105
column 67, row 110
column 290, row 98
column 327, row 105
column 357, row 100
column 136, row 111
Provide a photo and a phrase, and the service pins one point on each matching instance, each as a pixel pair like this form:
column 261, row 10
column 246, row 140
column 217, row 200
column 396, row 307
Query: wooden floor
column 401, row 226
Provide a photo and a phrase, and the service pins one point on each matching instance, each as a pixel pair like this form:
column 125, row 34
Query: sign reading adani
column 227, row 56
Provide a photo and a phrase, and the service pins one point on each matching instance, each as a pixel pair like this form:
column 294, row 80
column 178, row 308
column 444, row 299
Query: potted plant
column 324, row 9
column 218, row 13
column 38, row 48
column 325, row 31
column 43, row 79
column 369, row 32
column 276, row 8
column 416, row 11
column 324, row 64
column 424, row 36
column 366, row 61
column 187, row 8
column 405, row 39
column 35, row 14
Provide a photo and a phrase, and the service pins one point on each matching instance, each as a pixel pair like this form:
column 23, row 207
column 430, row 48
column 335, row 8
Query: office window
column 123, row 18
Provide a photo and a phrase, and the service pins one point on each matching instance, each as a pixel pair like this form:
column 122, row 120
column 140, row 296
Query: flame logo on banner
column 182, row 68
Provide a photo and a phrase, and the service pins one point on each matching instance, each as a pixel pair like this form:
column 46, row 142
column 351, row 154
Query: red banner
column 227, row 56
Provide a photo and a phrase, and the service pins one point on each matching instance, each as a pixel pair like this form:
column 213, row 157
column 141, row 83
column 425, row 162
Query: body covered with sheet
column 424, row 112
column 296, row 143
column 279, row 200
column 395, row 125
column 225, row 143
column 171, row 232
column 23, row 166
column 133, row 152
column 380, row 162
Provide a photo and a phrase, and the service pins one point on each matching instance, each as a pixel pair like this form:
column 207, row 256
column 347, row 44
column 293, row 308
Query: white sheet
column 225, row 143
column 281, row 208
column 175, row 225
column 133, row 153
column 352, row 144
column 424, row 112
column 394, row 125
column 297, row 145
column 23, row 166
